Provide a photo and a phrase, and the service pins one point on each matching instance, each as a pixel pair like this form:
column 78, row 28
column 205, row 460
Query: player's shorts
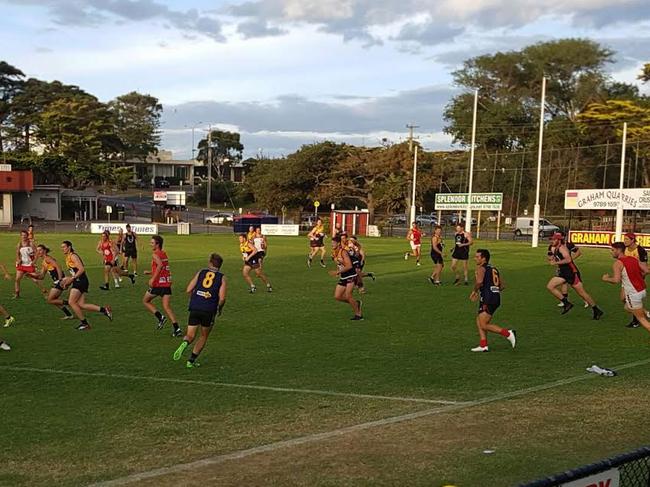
column 160, row 291
column 415, row 246
column 318, row 243
column 57, row 285
column 110, row 263
column 131, row 253
column 488, row 308
column 635, row 300
column 460, row 253
column 25, row 268
column 571, row 278
column 436, row 258
column 260, row 255
column 81, row 284
column 347, row 279
column 253, row 262
column 202, row 318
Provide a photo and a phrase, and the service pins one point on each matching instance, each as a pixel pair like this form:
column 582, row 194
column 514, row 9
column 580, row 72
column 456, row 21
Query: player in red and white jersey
column 25, row 256
column 414, row 236
column 633, row 249
column 160, row 284
column 629, row 273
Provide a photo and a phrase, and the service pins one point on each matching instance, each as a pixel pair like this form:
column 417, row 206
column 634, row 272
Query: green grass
column 72, row 430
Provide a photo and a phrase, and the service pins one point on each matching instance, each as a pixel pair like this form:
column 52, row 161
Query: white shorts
column 414, row 246
column 635, row 300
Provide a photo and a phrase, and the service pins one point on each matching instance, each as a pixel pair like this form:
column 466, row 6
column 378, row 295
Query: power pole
column 411, row 128
column 209, row 191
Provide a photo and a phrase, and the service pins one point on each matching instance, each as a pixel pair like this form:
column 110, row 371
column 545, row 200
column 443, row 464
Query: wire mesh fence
column 628, row 470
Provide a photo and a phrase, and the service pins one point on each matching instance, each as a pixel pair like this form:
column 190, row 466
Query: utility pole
column 209, row 191
column 411, row 128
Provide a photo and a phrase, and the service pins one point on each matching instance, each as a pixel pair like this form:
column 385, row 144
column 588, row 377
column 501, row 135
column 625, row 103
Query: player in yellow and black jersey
column 251, row 261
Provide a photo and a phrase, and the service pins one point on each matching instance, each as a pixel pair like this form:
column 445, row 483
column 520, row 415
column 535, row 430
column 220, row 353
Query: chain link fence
column 630, row 469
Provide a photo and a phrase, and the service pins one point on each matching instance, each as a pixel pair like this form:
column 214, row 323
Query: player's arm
column 222, row 295
column 470, row 241
column 312, row 233
column 643, row 261
column 576, row 253
column 77, row 264
column 617, row 269
column 192, row 284
column 409, row 235
column 18, row 255
column 40, row 275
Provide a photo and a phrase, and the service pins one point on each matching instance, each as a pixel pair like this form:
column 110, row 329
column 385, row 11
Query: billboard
column 480, row 201
column 172, row 198
column 289, row 230
column 139, row 228
column 607, row 199
column 602, row 238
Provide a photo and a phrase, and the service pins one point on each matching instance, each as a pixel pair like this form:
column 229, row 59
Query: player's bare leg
column 260, row 273
column 641, row 316
column 246, row 272
column 582, row 292
column 484, row 325
column 8, row 318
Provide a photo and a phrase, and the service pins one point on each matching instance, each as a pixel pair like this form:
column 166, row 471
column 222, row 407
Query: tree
column 645, row 73
column 226, row 150
column 11, row 79
column 137, row 122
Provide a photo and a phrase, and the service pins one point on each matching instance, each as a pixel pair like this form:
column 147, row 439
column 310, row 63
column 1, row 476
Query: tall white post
column 536, row 209
column 468, row 218
column 619, row 209
column 209, row 188
column 415, row 173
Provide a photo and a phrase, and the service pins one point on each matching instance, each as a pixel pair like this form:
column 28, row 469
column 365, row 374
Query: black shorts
column 202, row 318
column 488, row 308
column 81, row 284
column 160, row 291
column 436, row 258
column 345, row 280
column 318, row 243
column 460, row 254
column 253, row 262
column 57, row 286
column 572, row 278
column 112, row 263
column 260, row 255
column 131, row 253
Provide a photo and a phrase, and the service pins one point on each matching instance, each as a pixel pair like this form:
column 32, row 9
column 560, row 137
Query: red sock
column 505, row 332
column 483, row 343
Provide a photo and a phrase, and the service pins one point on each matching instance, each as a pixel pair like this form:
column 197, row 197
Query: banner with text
column 607, row 199
column 610, row 478
column 287, row 230
column 602, row 238
column 138, row 228
column 480, row 201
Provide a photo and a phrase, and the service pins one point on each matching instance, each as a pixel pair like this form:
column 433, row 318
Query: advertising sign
column 139, row 228
column 287, row 230
column 480, row 201
column 602, row 238
column 172, row 198
column 607, row 199
column 610, row 478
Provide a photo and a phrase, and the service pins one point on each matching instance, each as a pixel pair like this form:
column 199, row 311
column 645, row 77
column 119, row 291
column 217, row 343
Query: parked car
column 163, row 184
column 219, row 218
column 454, row 220
column 423, row 220
column 397, row 220
column 524, row 226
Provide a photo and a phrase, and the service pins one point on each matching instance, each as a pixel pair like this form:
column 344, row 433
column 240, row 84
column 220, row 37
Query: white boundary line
column 158, row 472
column 228, row 384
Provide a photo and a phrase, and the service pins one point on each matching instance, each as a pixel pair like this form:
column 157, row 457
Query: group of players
column 629, row 270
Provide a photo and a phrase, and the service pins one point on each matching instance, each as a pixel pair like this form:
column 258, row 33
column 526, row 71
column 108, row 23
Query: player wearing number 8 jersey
column 160, row 284
column 207, row 291
column 487, row 290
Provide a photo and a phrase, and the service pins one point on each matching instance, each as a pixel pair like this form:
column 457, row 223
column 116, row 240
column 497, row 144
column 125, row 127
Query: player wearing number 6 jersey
column 160, row 284
column 487, row 290
column 207, row 291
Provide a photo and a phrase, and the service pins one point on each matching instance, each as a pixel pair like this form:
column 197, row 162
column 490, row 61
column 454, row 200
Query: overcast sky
column 288, row 72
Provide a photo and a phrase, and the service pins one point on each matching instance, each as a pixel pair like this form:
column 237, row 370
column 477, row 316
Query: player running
column 633, row 249
column 25, row 256
column 487, row 290
column 575, row 252
column 630, row 274
column 78, row 283
column 358, row 258
column 462, row 243
column 160, row 284
column 130, row 250
column 436, row 256
column 567, row 272
column 251, row 261
column 106, row 248
column 251, row 234
column 207, row 291
column 414, row 236
column 347, row 276
column 261, row 244
column 316, row 238
column 49, row 265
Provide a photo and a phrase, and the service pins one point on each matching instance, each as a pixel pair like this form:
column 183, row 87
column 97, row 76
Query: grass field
column 397, row 399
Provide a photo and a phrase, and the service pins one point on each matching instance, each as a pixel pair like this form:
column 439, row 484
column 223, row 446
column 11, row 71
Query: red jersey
column 632, row 276
column 165, row 277
column 416, row 235
column 107, row 251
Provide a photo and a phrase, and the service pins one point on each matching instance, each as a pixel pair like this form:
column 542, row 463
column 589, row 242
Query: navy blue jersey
column 205, row 295
column 490, row 290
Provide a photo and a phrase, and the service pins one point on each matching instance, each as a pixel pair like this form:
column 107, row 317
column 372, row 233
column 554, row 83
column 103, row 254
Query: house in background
column 12, row 183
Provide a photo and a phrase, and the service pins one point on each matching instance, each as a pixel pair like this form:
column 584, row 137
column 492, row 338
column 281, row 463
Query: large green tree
column 11, row 80
column 136, row 118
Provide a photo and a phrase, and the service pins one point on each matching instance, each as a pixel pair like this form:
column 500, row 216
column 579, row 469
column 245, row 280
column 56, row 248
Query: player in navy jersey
column 487, row 290
column 576, row 253
column 460, row 253
column 207, row 291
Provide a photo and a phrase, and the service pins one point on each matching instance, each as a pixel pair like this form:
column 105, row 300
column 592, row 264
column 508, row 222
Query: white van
column 524, row 226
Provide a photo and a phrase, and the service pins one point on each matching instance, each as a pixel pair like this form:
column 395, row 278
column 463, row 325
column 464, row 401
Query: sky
column 285, row 73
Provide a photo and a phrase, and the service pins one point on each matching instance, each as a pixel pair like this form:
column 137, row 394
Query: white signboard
column 607, row 199
column 611, row 478
column 288, row 230
column 160, row 195
column 138, row 228
column 373, row 231
column 480, row 201
column 172, row 198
